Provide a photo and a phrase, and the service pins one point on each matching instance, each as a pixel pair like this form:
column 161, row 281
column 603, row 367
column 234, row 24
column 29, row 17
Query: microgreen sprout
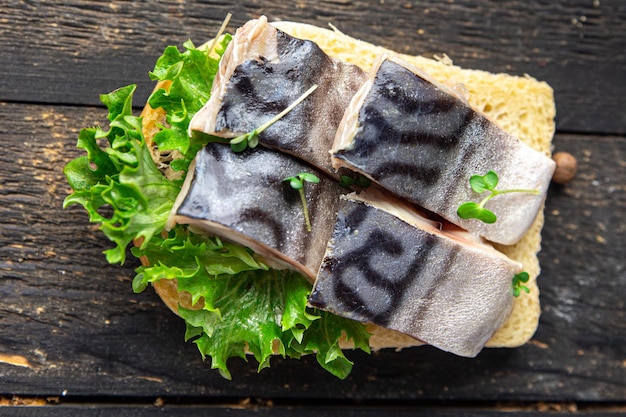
column 297, row 183
column 518, row 280
column 251, row 139
column 480, row 184
column 360, row 181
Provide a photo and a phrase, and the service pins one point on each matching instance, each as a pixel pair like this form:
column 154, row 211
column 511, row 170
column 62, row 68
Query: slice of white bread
column 522, row 106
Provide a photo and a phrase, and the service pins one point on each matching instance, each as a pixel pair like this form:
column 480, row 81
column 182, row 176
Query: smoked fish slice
column 243, row 198
column 262, row 72
column 418, row 139
column 387, row 264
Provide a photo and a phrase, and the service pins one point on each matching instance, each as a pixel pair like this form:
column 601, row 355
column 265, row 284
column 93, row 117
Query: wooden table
column 75, row 339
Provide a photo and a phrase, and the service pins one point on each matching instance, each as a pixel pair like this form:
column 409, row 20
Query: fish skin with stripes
column 244, row 198
column 262, row 72
column 389, row 265
column 420, row 140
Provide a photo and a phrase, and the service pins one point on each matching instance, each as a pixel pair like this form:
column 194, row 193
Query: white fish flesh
column 387, row 264
column 262, row 72
column 421, row 141
column 243, row 198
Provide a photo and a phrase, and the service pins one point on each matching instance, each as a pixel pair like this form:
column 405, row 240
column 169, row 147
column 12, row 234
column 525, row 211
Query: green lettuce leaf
column 250, row 307
column 243, row 305
column 265, row 313
column 192, row 260
column 323, row 339
column 190, row 74
column 239, row 304
column 122, row 177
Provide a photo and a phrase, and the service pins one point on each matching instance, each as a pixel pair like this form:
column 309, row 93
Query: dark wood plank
column 316, row 411
column 71, row 52
column 193, row 411
column 79, row 328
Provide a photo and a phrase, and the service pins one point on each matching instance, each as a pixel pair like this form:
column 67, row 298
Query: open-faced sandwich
column 291, row 190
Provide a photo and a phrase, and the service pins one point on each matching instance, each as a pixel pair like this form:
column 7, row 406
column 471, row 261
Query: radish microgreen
column 251, row 139
column 518, row 280
column 480, row 184
column 297, row 183
column 360, row 181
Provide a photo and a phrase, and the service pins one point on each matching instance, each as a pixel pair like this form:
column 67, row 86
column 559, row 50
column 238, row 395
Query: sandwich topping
column 388, row 265
column 419, row 140
column 262, row 72
column 243, row 197
column 273, row 270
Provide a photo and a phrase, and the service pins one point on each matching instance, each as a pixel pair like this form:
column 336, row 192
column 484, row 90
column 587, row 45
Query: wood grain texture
column 324, row 411
column 69, row 52
column 71, row 326
column 72, row 330
column 280, row 411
